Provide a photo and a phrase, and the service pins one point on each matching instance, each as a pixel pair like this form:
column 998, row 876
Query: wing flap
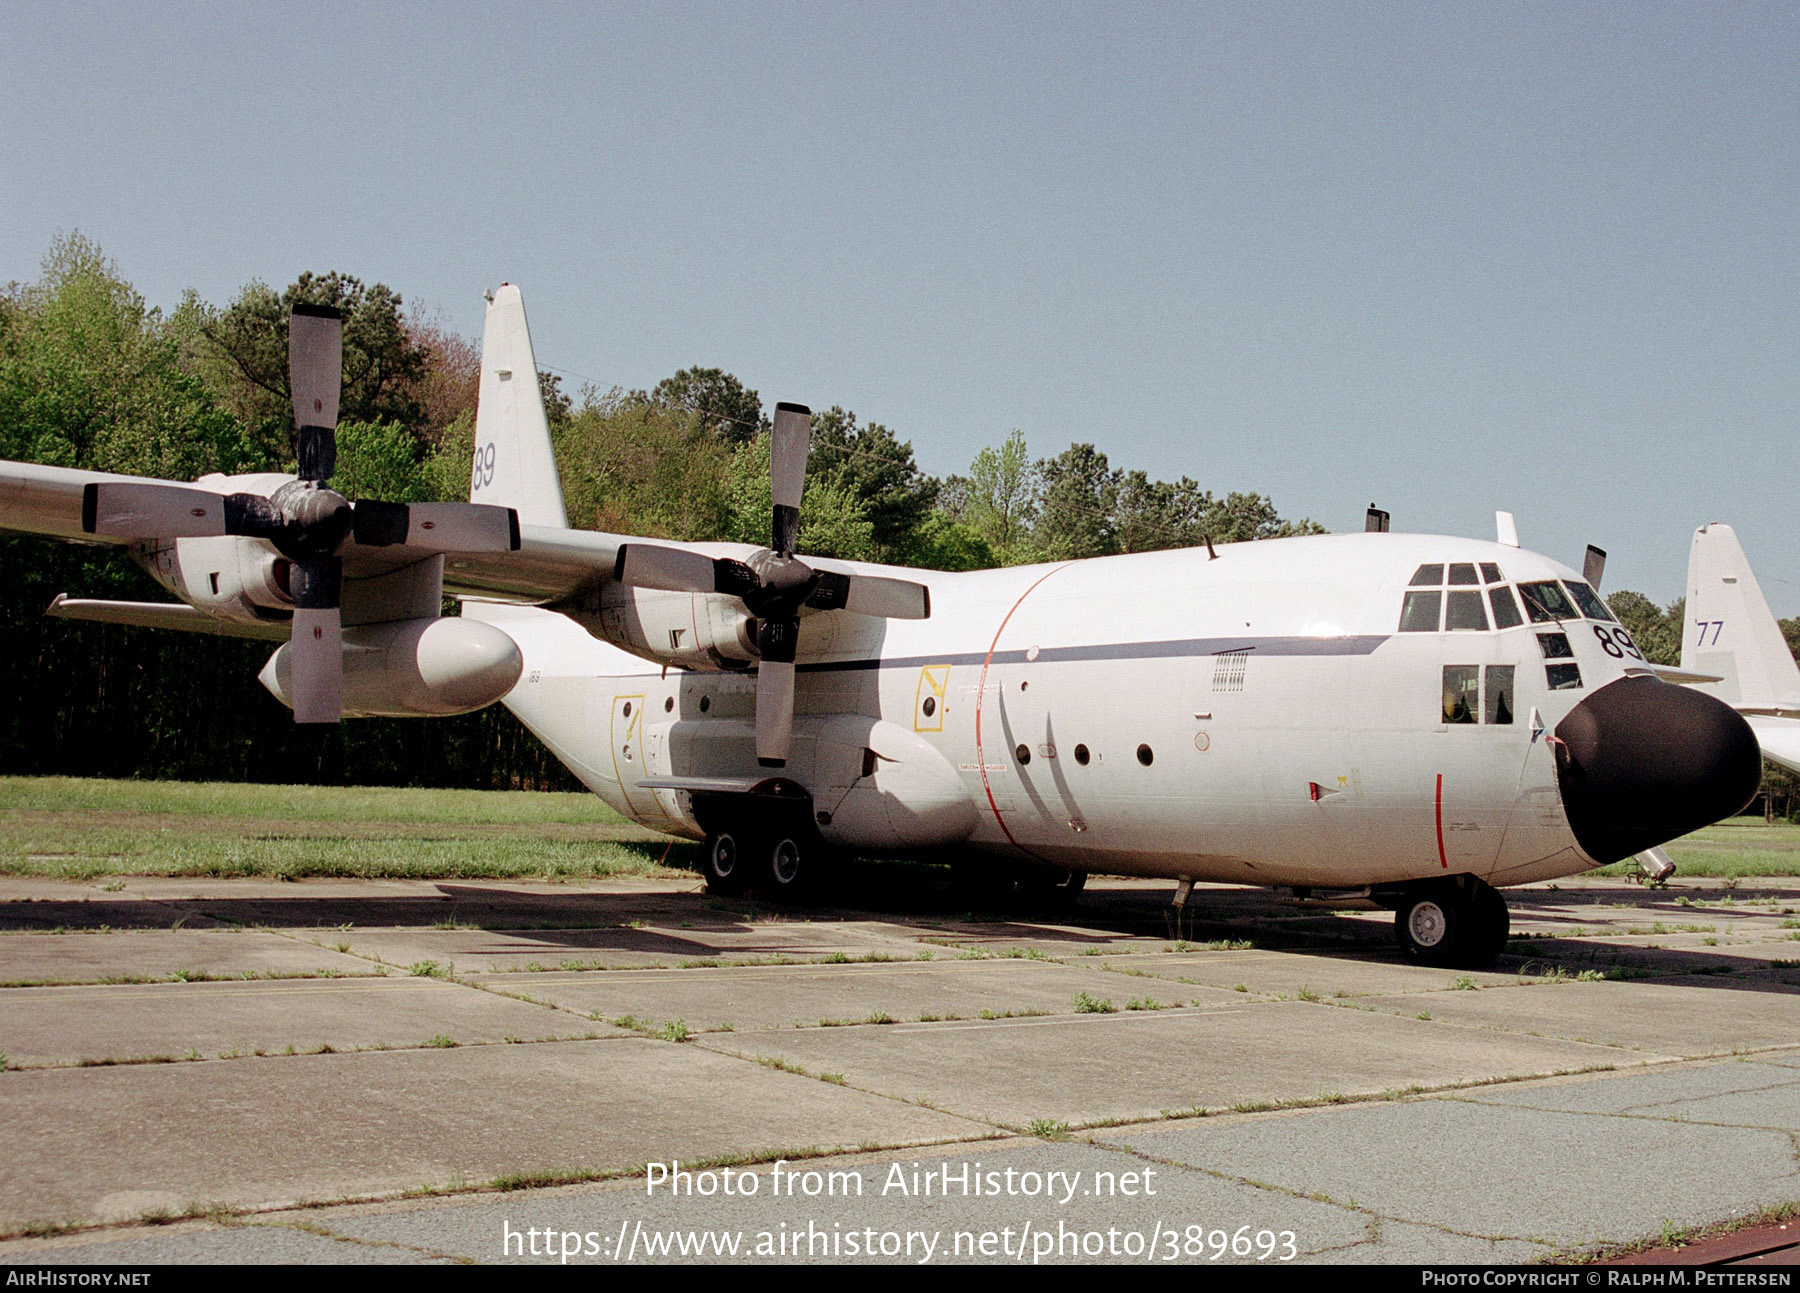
column 161, row 615
column 550, row 566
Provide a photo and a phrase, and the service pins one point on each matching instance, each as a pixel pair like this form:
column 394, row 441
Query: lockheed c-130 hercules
column 1417, row 720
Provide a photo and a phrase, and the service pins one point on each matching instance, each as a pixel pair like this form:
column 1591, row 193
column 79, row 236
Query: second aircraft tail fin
column 1730, row 630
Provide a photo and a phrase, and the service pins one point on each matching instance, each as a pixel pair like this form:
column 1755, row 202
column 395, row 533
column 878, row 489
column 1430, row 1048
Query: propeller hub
column 313, row 520
column 783, row 585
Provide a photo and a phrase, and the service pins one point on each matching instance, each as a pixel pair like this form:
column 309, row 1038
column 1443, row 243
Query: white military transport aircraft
column 1411, row 718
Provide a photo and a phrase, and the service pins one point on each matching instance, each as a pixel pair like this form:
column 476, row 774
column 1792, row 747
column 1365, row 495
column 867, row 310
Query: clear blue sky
column 1450, row 258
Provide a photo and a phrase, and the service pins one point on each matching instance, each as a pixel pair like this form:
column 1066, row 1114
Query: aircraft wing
column 35, row 499
column 551, row 565
column 1779, row 738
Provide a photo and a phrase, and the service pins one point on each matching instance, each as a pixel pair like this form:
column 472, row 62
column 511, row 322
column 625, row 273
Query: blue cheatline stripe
column 1180, row 648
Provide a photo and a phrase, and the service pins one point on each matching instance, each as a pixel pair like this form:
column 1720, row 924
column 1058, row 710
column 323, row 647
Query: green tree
column 1076, row 504
column 1656, row 630
column 1238, row 518
column 832, row 521
column 723, row 404
column 877, row 468
column 384, row 363
column 91, row 377
column 999, row 500
column 1154, row 514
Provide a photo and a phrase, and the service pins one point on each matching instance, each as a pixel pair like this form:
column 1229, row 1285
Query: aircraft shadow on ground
column 932, row 907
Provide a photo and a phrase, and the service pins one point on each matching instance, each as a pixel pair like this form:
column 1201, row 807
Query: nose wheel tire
column 1462, row 925
column 726, row 865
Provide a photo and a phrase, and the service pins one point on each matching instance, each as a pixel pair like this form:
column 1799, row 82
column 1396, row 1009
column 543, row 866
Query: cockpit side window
column 1546, row 601
column 1427, row 575
column 1490, row 573
column 1588, row 600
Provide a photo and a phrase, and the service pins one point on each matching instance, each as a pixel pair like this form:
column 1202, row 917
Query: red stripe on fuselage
column 981, row 700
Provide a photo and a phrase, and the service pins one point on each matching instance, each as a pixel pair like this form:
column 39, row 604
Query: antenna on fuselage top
column 1376, row 522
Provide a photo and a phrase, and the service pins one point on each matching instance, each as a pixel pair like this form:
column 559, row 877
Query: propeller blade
column 1593, row 566
column 774, row 712
column 152, row 511
column 315, row 372
column 316, row 649
column 776, row 641
column 677, row 570
column 316, row 662
column 436, row 527
column 787, row 472
column 894, row 599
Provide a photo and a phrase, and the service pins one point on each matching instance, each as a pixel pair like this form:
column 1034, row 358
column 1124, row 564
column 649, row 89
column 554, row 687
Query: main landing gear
column 780, row 860
column 1460, row 922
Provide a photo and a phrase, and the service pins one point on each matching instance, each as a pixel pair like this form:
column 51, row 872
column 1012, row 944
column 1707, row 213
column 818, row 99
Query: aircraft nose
column 1642, row 761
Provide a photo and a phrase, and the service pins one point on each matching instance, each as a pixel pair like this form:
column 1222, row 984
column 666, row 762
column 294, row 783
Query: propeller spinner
column 775, row 585
column 306, row 520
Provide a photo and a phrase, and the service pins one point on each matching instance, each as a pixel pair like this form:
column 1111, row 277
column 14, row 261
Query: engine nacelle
column 417, row 667
column 240, row 580
column 692, row 630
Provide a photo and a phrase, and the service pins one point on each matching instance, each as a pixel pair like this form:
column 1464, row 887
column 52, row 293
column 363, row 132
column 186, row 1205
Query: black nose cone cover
column 1642, row 761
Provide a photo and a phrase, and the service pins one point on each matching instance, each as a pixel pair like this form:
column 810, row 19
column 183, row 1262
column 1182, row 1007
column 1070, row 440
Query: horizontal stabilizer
column 1669, row 673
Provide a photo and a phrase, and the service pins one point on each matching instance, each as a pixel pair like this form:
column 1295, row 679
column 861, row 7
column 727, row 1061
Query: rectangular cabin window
column 1506, row 610
column 1490, row 573
column 1419, row 613
column 1546, row 602
column 1500, row 693
column 1562, row 677
column 1427, row 575
column 1588, row 600
column 1555, row 646
column 1463, row 572
column 1462, row 693
column 1463, row 612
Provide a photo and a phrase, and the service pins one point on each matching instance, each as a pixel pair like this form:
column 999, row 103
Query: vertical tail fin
column 1730, row 629
column 514, row 464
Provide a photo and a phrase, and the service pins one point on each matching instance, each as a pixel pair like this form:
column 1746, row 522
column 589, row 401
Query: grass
column 1736, row 847
column 78, row 829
